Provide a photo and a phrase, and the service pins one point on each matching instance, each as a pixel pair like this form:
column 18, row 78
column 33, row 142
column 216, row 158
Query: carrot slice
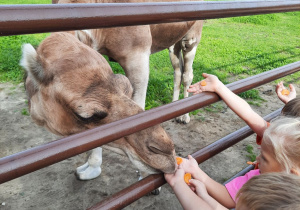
column 203, row 83
column 179, row 160
column 285, row 92
column 249, row 162
column 187, row 178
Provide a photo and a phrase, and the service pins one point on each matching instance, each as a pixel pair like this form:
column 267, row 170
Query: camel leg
column 91, row 169
column 136, row 68
column 176, row 60
column 178, row 66
column 187, row 77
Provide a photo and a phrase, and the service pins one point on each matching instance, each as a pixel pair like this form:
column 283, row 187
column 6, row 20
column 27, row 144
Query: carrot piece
column 249, row 162
column 179, row 160
column 187, row 178
column 285, row 92
column 203, row 83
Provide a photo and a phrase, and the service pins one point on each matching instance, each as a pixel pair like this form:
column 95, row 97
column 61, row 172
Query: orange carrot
column 203, row 83
column 187, row 178
column 178, row 160
column 285, row 92
column 249, row 162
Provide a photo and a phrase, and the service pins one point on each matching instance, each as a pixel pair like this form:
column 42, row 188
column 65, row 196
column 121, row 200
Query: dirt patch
column 56, row 187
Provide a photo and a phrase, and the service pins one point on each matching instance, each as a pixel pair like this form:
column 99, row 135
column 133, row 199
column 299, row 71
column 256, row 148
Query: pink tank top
column 236, row 184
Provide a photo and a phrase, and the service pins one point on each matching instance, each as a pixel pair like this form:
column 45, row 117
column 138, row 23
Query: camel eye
column 155, row 150
column 96, row 117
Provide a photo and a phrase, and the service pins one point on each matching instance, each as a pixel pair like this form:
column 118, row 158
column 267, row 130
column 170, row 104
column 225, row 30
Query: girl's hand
column 285, row 98
column 199, row 188
column 190, row 165
column 175, row 178
column 212, row 83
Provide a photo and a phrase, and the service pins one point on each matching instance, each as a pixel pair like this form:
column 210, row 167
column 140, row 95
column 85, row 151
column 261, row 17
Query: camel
column 72, row 88
column 132, row 46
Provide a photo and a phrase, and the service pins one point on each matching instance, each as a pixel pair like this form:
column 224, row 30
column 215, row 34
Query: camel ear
column 30, row 63
column 85, row 37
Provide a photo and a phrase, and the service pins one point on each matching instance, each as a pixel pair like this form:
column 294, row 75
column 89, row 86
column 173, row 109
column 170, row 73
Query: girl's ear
column 295, row 171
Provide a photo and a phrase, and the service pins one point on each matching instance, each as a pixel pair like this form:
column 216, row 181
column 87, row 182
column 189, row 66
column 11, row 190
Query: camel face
column 71, row 88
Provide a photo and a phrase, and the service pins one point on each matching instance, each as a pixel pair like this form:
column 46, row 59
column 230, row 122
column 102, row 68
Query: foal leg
column 91, row 169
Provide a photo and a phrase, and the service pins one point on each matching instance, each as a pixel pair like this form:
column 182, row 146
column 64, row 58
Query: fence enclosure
column 18, row 19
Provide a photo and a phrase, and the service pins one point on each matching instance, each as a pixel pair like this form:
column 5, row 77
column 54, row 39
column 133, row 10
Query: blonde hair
column 283, row 136
column 271, row 191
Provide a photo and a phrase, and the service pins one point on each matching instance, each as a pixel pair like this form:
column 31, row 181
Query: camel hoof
column 185, row 119
column 87, row 172
column 156, row 191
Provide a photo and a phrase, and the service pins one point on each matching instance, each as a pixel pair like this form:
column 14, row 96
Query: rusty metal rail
column 22, row 163
column 24, row 19
column 134, row 192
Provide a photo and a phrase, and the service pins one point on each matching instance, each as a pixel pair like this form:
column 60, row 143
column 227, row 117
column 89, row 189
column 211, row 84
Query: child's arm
column 215, row 189
column 285, row 98
column 202, row 193
column 235, row 103
column 187, row 198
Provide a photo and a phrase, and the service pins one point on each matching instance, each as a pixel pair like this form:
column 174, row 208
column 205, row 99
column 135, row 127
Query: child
column 270, row 191
column 280, row 152
column 240, row 106
column 267, row 191
column 268, row 159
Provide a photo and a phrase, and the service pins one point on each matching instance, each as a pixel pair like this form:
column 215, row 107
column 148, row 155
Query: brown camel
column 71, row 88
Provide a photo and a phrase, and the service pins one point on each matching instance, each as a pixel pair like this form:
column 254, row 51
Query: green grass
column 251, row 155
column 231, row 48
column 25, row 112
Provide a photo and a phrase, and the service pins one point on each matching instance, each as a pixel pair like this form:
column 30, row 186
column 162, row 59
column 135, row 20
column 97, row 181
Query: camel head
column 71, row 88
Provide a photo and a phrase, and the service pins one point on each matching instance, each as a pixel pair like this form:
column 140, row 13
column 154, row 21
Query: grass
column 250, row 155
column 25, row 112
column 230, row 48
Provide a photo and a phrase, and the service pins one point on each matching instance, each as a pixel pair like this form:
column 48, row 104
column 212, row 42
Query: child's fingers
column 292, row 88
column 194, row 85
column 205, row 75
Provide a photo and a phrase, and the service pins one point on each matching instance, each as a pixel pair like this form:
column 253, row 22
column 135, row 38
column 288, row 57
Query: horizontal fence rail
column 24, row 19
column 22, row 163
column 134, row 192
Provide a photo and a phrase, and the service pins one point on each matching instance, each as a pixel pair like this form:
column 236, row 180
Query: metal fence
column 24, row 19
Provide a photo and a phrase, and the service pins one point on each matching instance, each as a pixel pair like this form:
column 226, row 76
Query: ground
column 56, row 187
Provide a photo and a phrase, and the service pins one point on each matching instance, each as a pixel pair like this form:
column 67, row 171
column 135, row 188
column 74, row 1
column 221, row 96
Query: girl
column 268, row 191
column 280, row 152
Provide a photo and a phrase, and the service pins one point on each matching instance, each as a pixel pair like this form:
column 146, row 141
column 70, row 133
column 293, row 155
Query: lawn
column 230, row 48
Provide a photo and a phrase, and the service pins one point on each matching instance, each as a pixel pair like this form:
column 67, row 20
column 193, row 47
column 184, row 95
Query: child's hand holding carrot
column 176, row 178
column 191, row 166
column 210, row 84
column 284, row 94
